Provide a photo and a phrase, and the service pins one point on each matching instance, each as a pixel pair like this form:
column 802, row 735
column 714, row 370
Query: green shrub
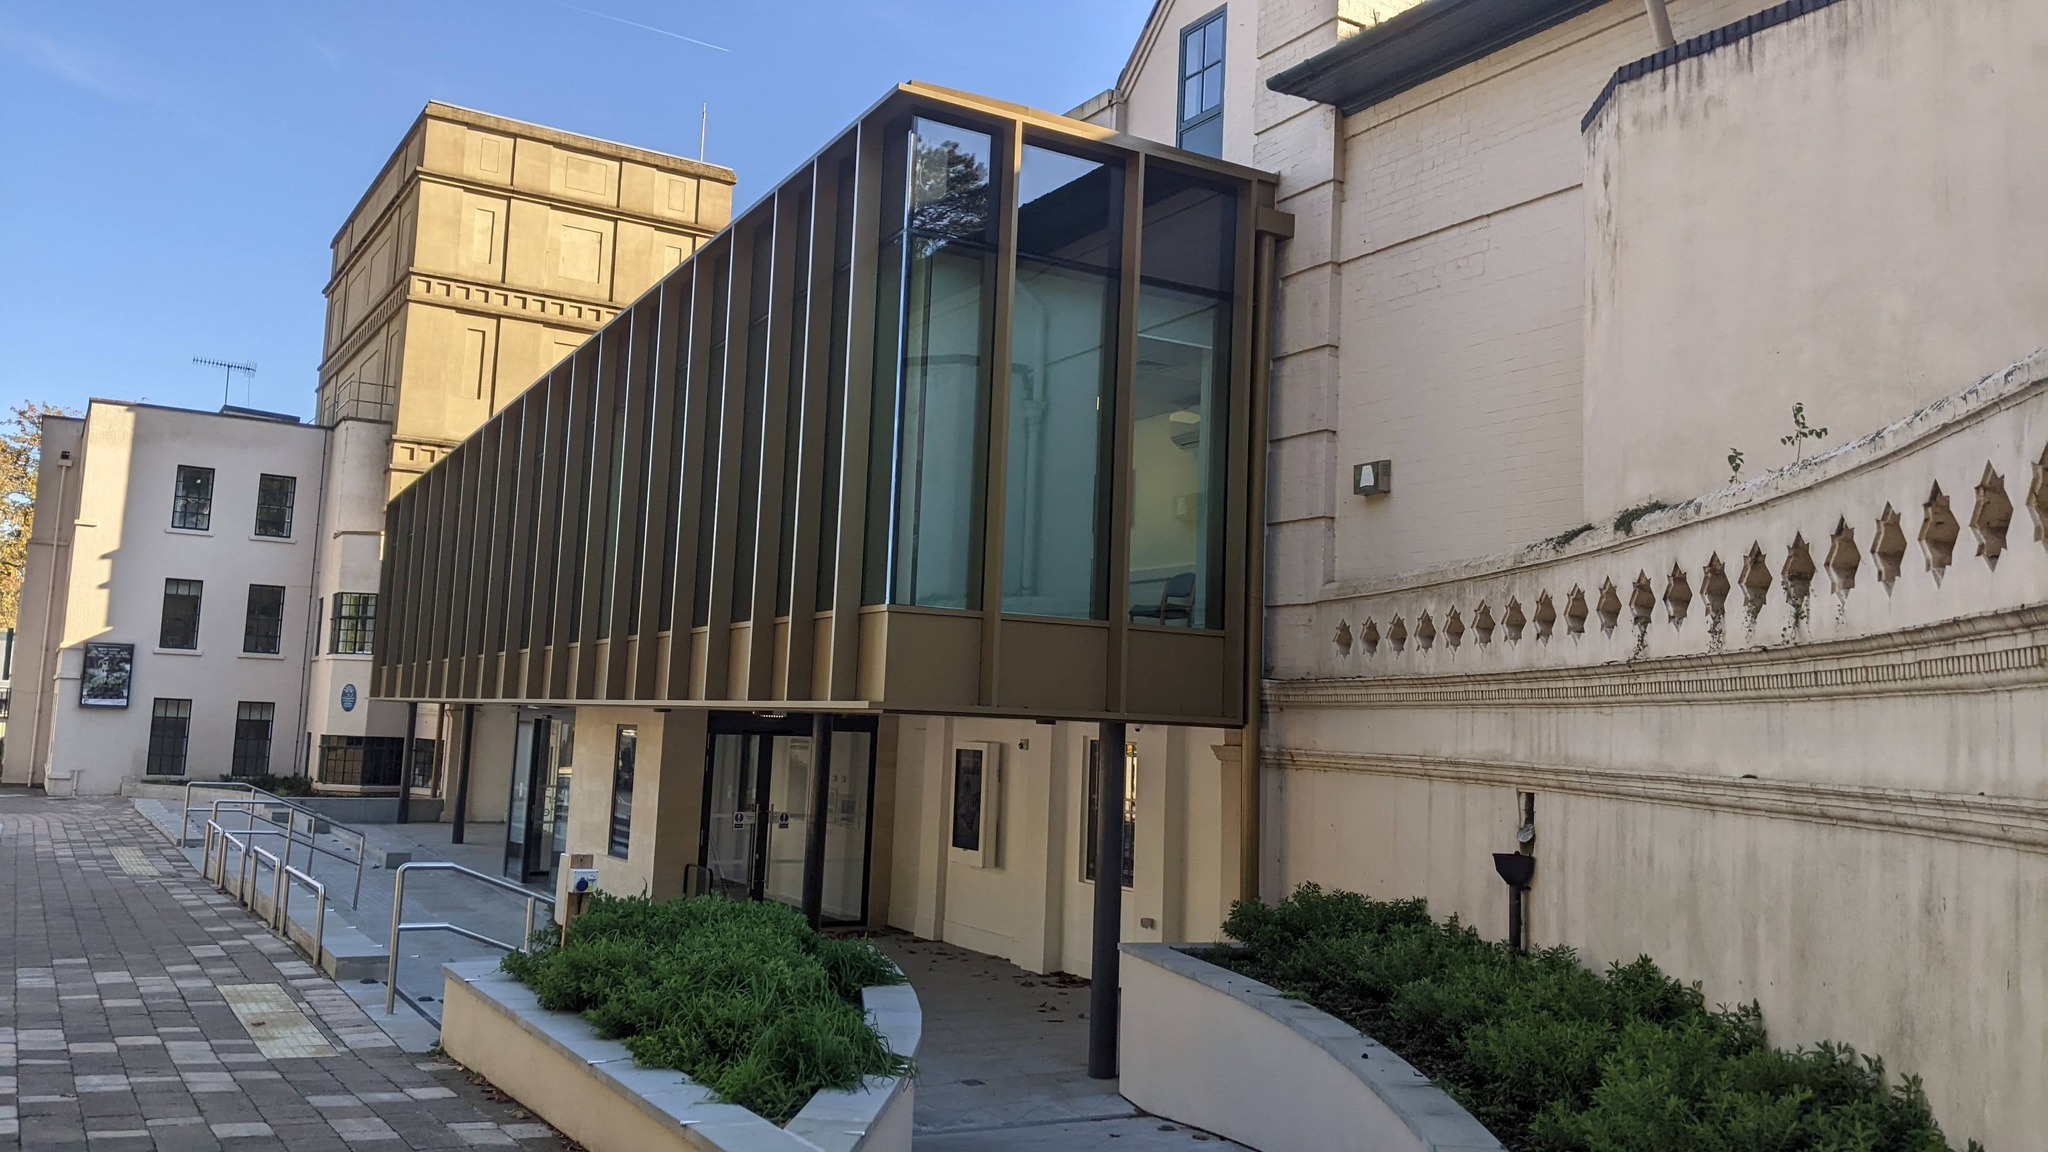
column 743, row 998
column 276, row 785
column 1555, row 1058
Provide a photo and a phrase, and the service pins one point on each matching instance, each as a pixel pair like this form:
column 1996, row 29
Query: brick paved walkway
column 140, row 1009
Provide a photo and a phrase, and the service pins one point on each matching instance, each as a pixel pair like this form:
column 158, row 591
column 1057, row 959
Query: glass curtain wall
column 1063, row 344
column 1180, row 400
column 934, row 320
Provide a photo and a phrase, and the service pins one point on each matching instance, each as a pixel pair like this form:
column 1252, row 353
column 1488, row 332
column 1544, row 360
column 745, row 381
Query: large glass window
column 192, row 503
column 253, row 722
column 1181, row 401
column 355, row 623
column 1063, row 340
column 263, row 625
column 361, row 761
column 274, row 498
column 1201, row 85
column 934, row 340
column 170, row 733
column 181, row 614
column 626, row 750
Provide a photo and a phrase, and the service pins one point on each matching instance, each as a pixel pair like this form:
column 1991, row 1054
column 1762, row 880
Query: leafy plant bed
column 744, row 999
column 1552, row 1057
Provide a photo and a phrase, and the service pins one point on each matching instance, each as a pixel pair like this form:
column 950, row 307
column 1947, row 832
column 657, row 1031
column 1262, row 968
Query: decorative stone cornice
column 499, row 300
column 1999, row 650
column 1996, row 821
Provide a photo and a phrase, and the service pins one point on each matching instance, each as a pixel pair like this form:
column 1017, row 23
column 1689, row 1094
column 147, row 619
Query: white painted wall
column 351, row 530
column 122, row 549
column 1843, row 211
column 1032, row 907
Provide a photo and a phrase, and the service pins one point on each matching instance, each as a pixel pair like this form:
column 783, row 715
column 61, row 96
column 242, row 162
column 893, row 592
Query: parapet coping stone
column 832, row 1121
column 1427, row 1110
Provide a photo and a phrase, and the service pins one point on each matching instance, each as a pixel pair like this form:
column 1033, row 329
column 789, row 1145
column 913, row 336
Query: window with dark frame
column 170, row 731
column 1130, row 855
column 274, row 497
column 192, row 503
column 361, row 761
column 253, row 722
column 263, row 626
column 622, row 791
column 355, row 623
column 1201, row 86
column 181, row 615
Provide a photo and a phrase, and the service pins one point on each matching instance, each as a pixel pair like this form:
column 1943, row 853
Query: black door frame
column 759, row 728
column 538, row 845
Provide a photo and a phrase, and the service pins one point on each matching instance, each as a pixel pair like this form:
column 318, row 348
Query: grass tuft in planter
column 743, row 998
column 1552, row 1057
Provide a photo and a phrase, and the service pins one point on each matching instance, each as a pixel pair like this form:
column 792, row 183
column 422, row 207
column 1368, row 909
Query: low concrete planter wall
column 555, row 1064
column 1212, row 1049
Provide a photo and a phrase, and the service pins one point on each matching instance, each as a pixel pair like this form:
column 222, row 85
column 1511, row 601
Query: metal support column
column 814, row 819
column 1103, row 991
column 462, row 775
column 412, row 729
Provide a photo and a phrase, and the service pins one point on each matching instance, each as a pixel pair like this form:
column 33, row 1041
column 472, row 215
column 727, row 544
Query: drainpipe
column 52, row 653
column 1660, row 23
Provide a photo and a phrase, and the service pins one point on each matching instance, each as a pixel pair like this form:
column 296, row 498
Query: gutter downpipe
column 53, row 654
column 304, row 762
column 1660, row 23
column 1251, row 792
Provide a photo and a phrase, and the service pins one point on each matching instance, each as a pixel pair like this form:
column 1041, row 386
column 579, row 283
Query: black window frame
column 193, row 590
column 360, row 761
column 1204, row 114
column 192, row 511
column 266, row 503
column 170, row 736
column 255, row 724
column 353, row 628
column 1091, row 800
column 625, row 755
column 267, row 628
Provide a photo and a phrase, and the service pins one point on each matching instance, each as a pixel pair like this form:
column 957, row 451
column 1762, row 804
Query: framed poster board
column 977, row 789
column 109, row 675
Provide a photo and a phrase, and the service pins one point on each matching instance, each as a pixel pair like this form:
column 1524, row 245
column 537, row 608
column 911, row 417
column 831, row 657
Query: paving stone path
column 140, row 1009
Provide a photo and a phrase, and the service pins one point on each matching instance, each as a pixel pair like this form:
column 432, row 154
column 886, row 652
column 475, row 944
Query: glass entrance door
column 757, row 812
column 537, row 822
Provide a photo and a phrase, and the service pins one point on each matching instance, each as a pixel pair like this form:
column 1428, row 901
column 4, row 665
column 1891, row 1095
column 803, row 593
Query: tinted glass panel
column 274, row 497
column 942, row 374
column 1179, row 438
column 263, row 627
column 170, row 729
column 1063, row 340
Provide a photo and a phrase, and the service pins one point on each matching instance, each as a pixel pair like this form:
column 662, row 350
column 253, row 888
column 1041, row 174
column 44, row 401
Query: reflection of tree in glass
column 948, row 195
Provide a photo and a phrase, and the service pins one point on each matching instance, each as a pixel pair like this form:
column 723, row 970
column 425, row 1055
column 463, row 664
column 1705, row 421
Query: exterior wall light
column 1373, row 479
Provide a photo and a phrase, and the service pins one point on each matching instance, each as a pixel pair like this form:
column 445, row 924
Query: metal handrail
column 284, row 909
column 291, row 833
column 399, row 926
column 275, row 800
column 213, row 830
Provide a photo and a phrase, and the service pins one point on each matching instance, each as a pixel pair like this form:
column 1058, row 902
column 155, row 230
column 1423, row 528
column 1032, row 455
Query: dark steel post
column 1103, row 991
column 814, row 825
column 412, row 727
column 462, row 775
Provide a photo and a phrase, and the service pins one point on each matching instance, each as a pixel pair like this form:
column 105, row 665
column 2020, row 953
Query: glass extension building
column 953, row 437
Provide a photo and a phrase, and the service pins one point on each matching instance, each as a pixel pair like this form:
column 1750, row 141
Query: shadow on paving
column 145, row 1011
column 1003, row 1066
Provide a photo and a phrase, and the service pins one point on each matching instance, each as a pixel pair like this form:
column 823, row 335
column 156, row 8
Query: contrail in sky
column 637, row 24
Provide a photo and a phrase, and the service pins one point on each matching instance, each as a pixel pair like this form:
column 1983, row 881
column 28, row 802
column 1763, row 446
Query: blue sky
column 173, row 173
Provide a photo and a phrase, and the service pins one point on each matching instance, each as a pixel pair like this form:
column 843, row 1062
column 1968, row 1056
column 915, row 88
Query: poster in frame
column 109, row 675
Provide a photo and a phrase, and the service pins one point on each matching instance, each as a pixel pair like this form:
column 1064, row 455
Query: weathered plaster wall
column 1843, row 210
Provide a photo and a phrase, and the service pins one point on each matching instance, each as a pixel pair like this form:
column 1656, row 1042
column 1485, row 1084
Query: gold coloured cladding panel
column 651, row 364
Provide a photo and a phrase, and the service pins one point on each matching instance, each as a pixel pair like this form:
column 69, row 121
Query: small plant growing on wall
column 1801, row 433
column 1734, row 465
